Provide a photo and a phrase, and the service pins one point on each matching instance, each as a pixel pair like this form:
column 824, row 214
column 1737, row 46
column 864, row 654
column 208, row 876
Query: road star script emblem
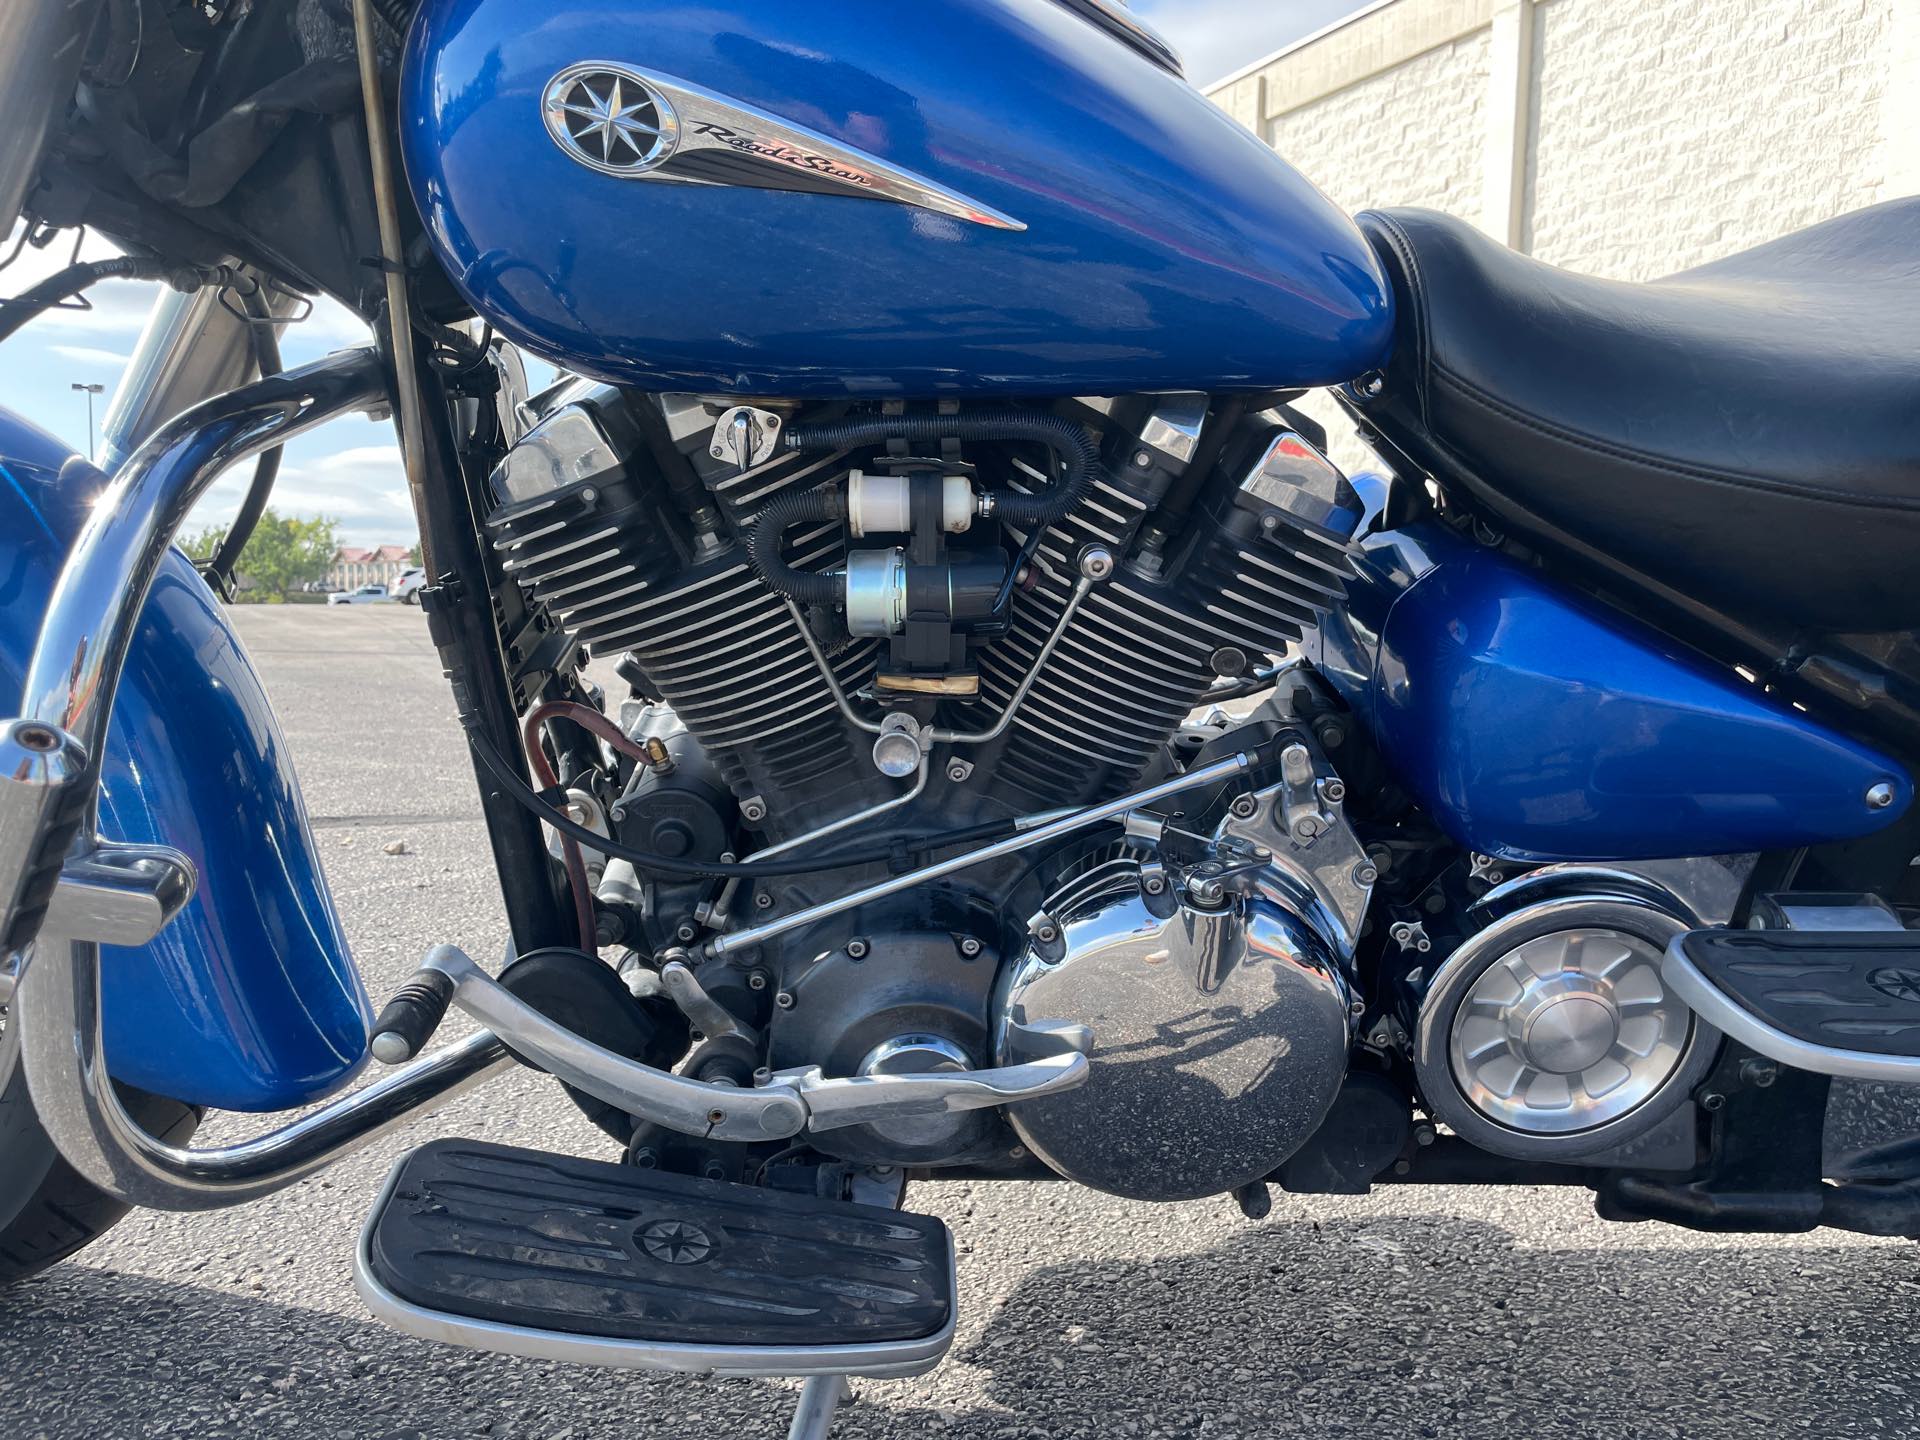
column 640, row 125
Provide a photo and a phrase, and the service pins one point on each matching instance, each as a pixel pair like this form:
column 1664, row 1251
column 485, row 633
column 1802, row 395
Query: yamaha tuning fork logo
column 610, row 119
column 637, row 124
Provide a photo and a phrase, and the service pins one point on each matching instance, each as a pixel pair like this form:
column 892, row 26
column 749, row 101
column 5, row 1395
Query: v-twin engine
column 858, row 639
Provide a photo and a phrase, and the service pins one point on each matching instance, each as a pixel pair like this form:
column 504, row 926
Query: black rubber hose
column 1071, row 442
column 769, row 529
column 266, row 354
column 71, row 281
column 525, row 795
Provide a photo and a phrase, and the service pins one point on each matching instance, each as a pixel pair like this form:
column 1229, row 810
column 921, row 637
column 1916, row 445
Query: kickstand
column 820, row 1399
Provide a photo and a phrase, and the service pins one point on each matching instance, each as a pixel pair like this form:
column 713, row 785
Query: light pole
column 91, row 391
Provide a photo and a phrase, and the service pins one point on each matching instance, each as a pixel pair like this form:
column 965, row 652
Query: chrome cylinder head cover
column 1550, row 1034
column 1219, row 1026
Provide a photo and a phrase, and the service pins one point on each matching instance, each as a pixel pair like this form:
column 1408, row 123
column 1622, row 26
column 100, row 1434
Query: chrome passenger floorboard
column 1837, row 1002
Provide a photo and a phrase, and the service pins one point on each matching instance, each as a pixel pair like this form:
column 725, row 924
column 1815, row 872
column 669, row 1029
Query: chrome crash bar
column 64, row 893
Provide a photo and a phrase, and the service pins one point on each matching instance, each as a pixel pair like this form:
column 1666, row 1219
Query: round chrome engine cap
column 1551, row 1034
column 1568, row 1031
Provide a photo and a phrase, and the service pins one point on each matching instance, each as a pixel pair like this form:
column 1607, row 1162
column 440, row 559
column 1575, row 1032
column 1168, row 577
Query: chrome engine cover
column 1219, row 1034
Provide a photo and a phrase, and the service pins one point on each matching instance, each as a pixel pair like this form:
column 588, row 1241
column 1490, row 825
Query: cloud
column 363, row 487
column 87, row 355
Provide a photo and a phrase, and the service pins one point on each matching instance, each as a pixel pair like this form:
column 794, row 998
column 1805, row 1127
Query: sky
column 350, row 470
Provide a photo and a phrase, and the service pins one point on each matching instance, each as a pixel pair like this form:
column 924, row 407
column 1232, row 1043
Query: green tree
column 413, row 555
column 280, row 554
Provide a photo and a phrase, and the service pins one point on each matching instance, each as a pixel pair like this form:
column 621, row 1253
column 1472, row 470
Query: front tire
column 47, row 1211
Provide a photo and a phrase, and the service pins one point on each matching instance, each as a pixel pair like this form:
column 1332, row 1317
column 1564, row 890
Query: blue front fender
column 249, row 999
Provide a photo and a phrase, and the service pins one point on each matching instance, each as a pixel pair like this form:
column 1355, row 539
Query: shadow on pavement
column 1384, row 1327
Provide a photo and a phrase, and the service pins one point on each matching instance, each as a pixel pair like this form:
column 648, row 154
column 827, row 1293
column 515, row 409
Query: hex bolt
column 1046, row 934
column 1332, row 733
column 1713, row 1100
column 684, row 931
column 969, row 946
column 1879, row 796
column 1096, row 562
column 1335, row 791
column 958, row 770
column 1153, row 885
column 1365, row 874
column 753, row 810
column 1245, row 806
column 757, row 980
column 784, row 999
column 857, row 949
column 646, row 1157
column 763, row 900
column 1424, row 1135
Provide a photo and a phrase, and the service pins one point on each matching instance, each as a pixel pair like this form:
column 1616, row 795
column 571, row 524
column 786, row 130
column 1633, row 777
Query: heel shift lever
column 785, row 1104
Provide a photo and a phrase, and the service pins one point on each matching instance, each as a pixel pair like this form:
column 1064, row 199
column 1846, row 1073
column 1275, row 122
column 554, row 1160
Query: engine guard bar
column 62, row 892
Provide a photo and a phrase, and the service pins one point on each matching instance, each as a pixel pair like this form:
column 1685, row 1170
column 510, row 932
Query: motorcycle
column 1038, row 760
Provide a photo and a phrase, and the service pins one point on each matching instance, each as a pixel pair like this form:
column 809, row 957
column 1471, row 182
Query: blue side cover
column 1536, row 727
column 249, row 999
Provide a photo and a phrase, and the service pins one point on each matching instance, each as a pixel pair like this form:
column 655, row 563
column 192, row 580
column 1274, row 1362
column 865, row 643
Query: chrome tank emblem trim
column 637, row 124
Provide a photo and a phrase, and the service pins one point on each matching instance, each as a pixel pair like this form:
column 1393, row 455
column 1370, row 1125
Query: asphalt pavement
column 1411, row 1312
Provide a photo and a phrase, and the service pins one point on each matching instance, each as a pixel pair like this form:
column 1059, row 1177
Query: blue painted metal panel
column 249, row 999
column 1165, row 248
column 1536, row 727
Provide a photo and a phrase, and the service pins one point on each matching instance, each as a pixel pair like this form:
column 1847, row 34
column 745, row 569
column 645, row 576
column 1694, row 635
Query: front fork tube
column 471, row 607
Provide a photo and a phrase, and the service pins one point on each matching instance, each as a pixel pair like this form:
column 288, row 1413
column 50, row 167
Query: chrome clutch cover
column 1219, row 1034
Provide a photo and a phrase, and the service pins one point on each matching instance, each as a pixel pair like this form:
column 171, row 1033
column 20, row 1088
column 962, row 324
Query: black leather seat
column 1746, row 433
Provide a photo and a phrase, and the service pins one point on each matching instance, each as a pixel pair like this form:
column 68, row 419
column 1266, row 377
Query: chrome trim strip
column 705, row 121
column 1727, row 1015
column 892, row 1360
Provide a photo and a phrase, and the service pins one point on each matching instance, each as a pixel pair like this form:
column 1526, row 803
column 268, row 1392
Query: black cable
column 16, row 312
column 266, row 353
column 1069, row 441
column 526, row 796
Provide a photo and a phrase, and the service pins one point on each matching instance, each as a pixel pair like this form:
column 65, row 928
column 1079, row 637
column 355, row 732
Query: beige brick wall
column 1408, row 136
column 1649, row 134
column 1669, row 135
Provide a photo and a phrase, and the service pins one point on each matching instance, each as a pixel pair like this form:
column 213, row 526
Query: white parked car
column 365, row 595
column 407, row 588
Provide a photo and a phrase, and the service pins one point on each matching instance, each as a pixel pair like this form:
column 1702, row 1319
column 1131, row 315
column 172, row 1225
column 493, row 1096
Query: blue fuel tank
column 868, row 197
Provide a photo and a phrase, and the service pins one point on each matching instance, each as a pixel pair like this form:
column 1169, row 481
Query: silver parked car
column 365, row 595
